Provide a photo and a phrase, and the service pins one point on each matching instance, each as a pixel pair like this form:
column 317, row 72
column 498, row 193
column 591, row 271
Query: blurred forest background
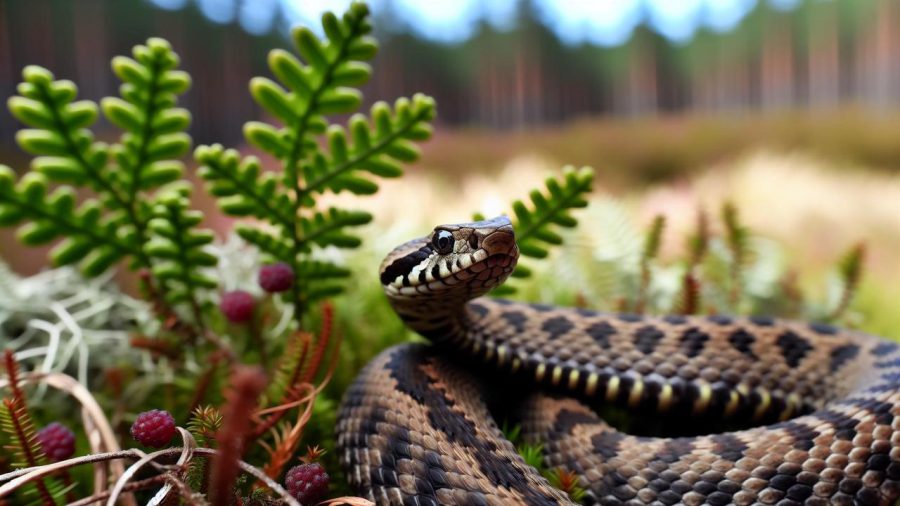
column 787, row 108
column 521, row 64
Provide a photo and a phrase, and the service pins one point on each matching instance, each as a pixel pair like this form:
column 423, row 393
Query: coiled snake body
column 415, row 429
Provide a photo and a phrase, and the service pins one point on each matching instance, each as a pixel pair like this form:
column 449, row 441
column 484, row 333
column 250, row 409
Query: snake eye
column 442, row 242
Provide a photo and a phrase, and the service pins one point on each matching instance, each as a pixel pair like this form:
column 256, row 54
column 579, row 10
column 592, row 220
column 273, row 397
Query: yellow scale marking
column 665, row 398
column 733, row 403
column 501, row 355
column 489, row 352
column 763, row 404
column 573, row 379
column 591, row 385
column 791, row 403
column 539, row 372
column 612, row 388
column 702, row 402
column 516, row 364
column 634, row 396
column 556, row 375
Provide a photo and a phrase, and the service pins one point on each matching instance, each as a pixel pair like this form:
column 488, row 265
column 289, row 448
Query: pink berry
column 153, row 428
column 307, row 482
column 237, row 306
column 57, row 441
column 276, row 277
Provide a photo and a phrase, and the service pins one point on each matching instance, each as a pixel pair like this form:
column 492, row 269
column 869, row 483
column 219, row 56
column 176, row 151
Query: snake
column 789, row 412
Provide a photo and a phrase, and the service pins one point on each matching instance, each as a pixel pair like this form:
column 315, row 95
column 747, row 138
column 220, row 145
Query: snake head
column 464, row 260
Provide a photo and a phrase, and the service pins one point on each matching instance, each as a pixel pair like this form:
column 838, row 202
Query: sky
column 600, row 22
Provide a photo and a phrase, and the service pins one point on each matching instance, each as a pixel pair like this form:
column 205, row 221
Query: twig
column 23, row 476
column 187, row 451
column 131, row 487
column 99, row 431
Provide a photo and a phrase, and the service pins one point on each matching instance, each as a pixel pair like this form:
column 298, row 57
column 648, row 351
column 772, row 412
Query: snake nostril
column 473, row 241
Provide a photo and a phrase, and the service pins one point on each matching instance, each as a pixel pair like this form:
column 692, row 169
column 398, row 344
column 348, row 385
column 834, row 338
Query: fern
column 125, row 177
column 176, row 246
column 305, row 92
column 537, row 226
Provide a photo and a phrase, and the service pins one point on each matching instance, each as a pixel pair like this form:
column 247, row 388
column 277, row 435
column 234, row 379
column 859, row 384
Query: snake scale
column 415, row 428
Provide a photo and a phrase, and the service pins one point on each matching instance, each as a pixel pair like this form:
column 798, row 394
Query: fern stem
column 296, row 155
column 133, row 189
column 248, row 191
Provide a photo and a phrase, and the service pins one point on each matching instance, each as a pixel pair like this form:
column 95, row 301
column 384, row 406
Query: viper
column 818, row 407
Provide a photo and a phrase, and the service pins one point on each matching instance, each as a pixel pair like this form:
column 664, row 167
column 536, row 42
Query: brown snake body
column 414, row 429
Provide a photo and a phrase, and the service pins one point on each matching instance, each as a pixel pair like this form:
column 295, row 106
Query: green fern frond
column 176, row 246
column 316, row 157
column 327, row 229
column 59, row 136
column 91, row 236
column 537, row 226
column 240, row 188
column 133, row 179
column 320, row 279
column 154, row 129
column 104, row 232
column 376, row 149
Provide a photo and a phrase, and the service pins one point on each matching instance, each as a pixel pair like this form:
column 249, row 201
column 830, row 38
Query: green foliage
column 16, row 423
column 736, row 238
column 134, row 179
column 537, row 227
column 305, row 92
column 533, row 455
column 21, row 441
column 176, row 246
column 568, row 482
column 849, row 270
column 650, row 251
